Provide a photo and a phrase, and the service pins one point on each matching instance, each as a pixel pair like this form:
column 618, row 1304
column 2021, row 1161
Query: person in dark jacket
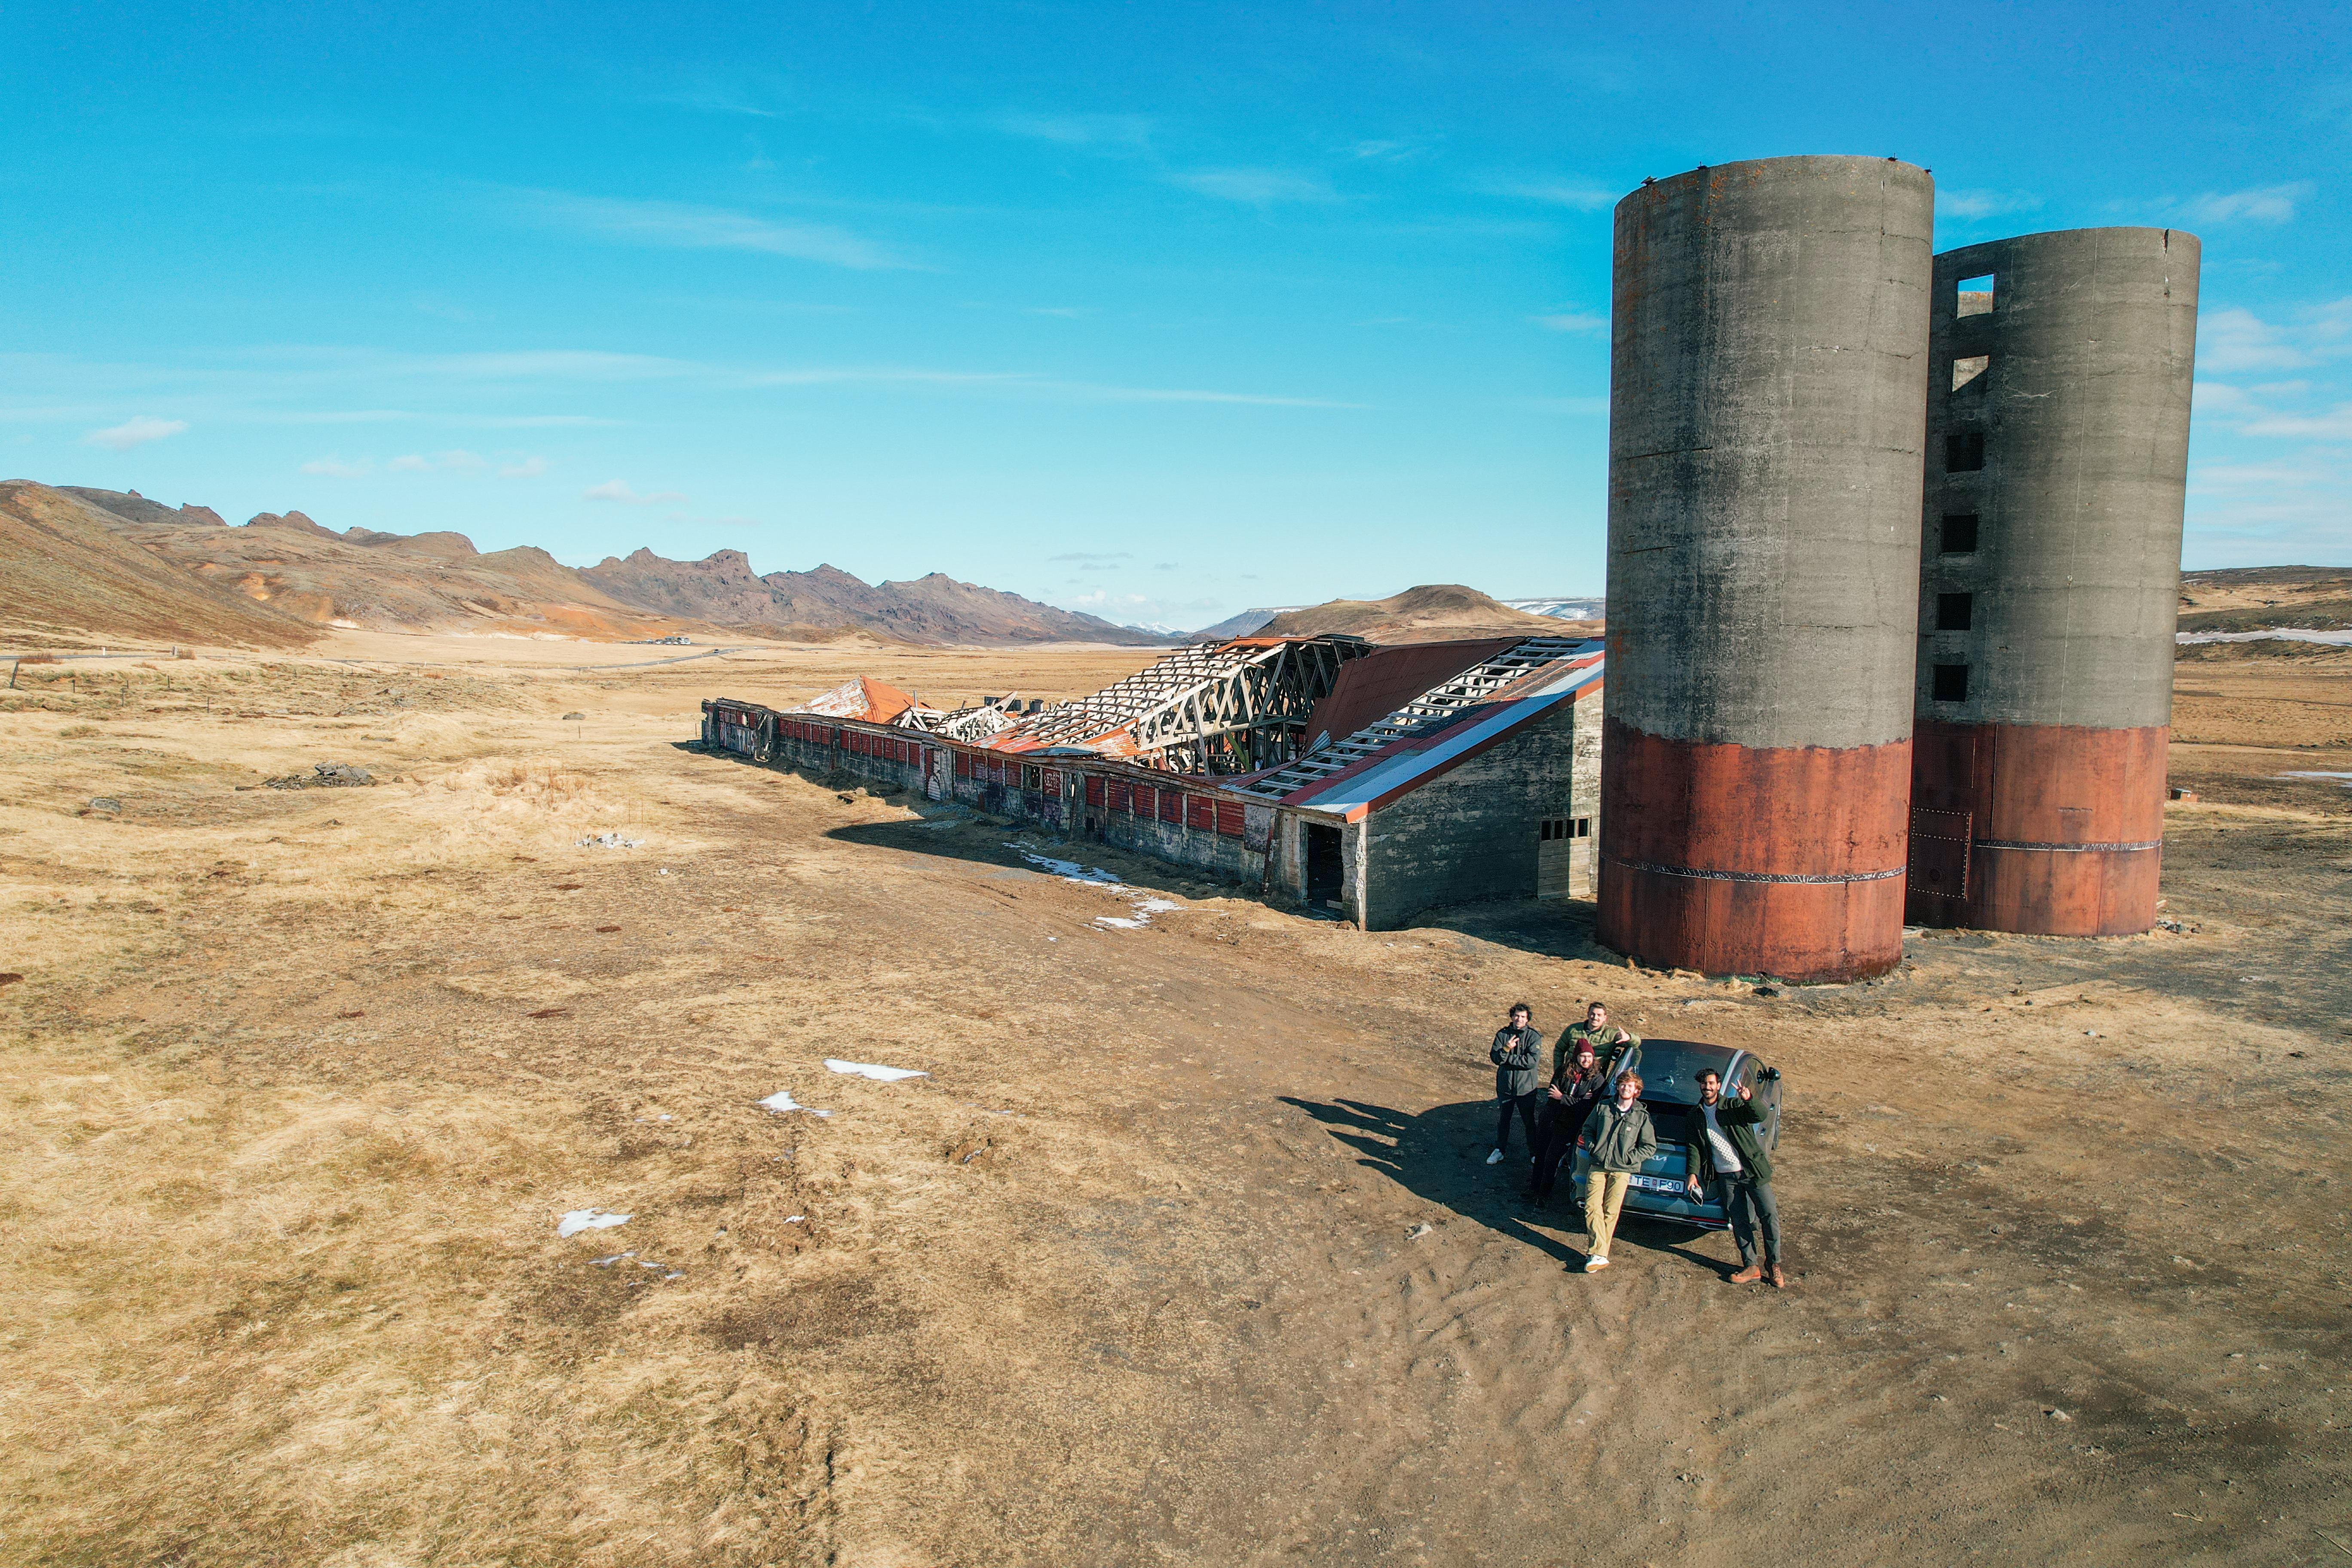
column 1576, row 1086
column 1724, row 1147
column 1517, row 1053
column 1623, row 1140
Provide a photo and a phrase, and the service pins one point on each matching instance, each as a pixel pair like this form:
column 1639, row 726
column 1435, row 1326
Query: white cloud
column 526, row 468
column 1577, row 196
column 2334, row 425
column 2259, row 203
column 335, row 468
column 1078, row 130
column 2237, row 340
column 1574, row 322
column 618, row 489
column 1256, row 187
column 135, row 432
column 413, row 463
column 681, row 226
column 1964, row 205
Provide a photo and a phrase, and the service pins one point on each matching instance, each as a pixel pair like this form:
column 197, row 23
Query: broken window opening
column 1953, row 612
column 1959, row 536
column 1950, row 683
column 1964, row 451
column 1974, row 296
column 1970, row 368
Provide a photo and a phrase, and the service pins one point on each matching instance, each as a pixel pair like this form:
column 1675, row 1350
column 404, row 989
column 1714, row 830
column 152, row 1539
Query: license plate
column 1658, row 1185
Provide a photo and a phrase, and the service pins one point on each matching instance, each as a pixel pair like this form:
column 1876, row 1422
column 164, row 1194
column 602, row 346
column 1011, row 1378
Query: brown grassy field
column 1185, row 1252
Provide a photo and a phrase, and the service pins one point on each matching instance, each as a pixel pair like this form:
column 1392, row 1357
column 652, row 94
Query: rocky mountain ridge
column 284, row 577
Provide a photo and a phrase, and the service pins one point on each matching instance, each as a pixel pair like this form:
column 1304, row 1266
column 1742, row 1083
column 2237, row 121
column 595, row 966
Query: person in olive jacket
column 1621, row 1140
column 1582, row 1063
column 1724, row 1148
column 1517, row 1053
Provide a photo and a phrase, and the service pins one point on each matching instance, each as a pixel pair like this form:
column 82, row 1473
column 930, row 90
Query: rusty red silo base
column 1749, row 860
column 2050, row 829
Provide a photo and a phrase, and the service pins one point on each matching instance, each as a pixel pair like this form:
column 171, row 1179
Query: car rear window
column 1670, row 1072
column 1672, row 1125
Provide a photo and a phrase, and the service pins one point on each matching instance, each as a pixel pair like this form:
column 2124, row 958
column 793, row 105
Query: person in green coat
column 1621, row 1140
column 1724, row 1147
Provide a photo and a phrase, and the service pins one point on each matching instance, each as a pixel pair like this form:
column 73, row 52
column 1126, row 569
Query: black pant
column 1749, row 1203
column 1525, row 1104
column 1559, row 1127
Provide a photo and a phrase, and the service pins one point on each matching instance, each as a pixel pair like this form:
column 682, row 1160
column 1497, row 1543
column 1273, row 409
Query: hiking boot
column 1779, row 1281
column 1495, row 1158
column 1748, row 1276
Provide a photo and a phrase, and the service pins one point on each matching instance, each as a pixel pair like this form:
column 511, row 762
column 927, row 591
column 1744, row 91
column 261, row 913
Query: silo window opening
column 1963, row 451
column 1953, row 613
column 1951, row 683
column 1960, row 537
column 1969, row 369
column 1559, row 828
column 1975, row 296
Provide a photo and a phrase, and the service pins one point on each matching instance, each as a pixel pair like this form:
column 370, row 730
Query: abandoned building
column 1375, row 782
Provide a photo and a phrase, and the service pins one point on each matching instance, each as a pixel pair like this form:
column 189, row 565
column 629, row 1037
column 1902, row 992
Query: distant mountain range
column 74, row 559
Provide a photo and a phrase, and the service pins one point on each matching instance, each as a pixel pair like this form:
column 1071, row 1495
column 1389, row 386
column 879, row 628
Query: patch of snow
column 867, row 1069
column 2344, row 779
column 796, row 1219
column 608, row 1262
column 610, row 841
column 1146, row 905
column 577, row 1220
column 2279, row 634
column 782, row 1100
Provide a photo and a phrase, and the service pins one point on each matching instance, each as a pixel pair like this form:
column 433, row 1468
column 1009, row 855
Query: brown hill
column 722, row 587
column 429, row 581
column 68, row 571
column 1439, row 612
column 2262, row 598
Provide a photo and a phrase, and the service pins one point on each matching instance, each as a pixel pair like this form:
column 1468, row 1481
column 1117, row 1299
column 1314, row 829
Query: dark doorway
column 1323, row 873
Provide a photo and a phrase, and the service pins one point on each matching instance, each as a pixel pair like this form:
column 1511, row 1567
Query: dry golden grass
column 1184, row 1253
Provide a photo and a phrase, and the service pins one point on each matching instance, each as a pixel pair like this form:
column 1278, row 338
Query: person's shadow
column 1440, row 1155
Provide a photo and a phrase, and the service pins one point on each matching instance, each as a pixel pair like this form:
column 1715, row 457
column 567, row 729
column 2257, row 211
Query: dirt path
column 1185, row 1252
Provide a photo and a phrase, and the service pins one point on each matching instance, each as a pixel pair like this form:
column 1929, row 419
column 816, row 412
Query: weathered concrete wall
column 1221, row 854
column 2083, row 408
column 1768, row 408
column 1476, row 832
column 2058, row 453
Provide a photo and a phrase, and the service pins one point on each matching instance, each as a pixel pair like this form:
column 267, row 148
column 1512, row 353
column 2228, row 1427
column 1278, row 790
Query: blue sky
column 1159, row 311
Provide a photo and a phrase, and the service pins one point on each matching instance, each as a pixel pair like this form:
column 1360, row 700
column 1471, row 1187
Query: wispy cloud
column 681, row 226
column 619, row 490
column 1113, row 131
column 1975, row 203
column 2234, row 340
column 335, row 467
column 2334, row 424
column 2258, row 203
column 523, row 468
column 1256, row 187
column 1094, row 557
column 135, row 432
column 1578, row 195
column 1574, row 322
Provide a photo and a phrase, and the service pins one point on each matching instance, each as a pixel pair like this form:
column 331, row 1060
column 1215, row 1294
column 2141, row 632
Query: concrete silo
column 2057, row 463
column 1769, row 380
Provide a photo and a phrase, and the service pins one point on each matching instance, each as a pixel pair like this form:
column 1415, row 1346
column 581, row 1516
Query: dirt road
column 1183, row 1252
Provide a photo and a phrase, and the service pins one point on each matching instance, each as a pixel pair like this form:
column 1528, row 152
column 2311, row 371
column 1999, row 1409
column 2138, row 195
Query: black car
column 1669, row 1072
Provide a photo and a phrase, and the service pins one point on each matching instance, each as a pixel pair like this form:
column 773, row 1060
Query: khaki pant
column 1604, row 1195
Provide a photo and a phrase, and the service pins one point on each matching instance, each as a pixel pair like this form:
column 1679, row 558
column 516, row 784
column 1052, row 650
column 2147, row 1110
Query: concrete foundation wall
column 1476, row 832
